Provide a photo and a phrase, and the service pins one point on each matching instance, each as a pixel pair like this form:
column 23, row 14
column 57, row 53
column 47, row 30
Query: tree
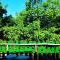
column 39, row 22
column 2, row 12
column 4, row 20
column 8, row 21
column 50, row 13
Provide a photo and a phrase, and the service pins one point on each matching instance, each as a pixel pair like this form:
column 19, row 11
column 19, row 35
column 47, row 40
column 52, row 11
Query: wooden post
column 30, row 56
column 7, row 47
column 59, row 52
column 36, row 53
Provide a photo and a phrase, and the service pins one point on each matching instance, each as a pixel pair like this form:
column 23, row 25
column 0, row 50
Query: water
column 31, row 56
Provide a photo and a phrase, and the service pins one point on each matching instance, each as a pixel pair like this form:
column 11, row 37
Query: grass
column 40, row 49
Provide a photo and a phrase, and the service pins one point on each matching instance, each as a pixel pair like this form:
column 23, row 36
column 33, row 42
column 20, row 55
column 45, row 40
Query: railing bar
column 33, row 44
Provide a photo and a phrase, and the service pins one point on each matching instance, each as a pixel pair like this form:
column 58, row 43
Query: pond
column 31, row 56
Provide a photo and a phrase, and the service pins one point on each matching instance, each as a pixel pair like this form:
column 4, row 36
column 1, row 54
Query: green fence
column 40, row 48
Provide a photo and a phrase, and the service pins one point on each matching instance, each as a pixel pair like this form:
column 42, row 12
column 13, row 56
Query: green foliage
column 52, row 29
column 2, row 10
column 38, row 22
column 11, row 33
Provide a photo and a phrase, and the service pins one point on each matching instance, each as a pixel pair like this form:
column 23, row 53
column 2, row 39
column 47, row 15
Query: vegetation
column 39, row 22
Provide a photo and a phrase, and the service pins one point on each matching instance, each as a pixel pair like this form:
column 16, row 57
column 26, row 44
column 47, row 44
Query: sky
column 14, row 6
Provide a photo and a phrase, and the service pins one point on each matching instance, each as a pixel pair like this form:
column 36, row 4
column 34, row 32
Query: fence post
column 36, row 52
column 7, row 47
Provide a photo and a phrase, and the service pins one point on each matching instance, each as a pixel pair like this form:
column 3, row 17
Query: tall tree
column 2, row 12
column 33, row 3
